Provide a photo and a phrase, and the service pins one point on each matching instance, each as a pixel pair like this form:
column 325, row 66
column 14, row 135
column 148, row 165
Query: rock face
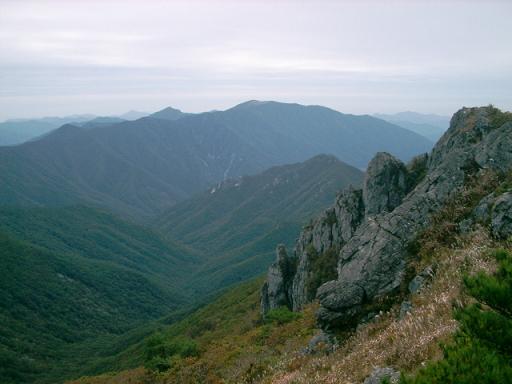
column 494, row 210
column 329, row 232
column 501, row 222
column 385, row 184
column 370, row 229
column 275, row 292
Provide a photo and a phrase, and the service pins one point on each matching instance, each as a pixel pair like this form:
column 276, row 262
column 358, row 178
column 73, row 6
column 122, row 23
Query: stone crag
column 371, row 227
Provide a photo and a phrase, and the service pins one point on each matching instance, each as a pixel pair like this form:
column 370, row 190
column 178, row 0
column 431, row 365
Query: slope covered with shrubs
column 481, row 351
column 460, row 316
column 224, row 342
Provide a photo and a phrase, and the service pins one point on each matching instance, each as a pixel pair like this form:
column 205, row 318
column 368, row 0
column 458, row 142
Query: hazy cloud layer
column 105, row 57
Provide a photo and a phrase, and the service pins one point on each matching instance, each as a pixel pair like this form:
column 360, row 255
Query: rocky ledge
column 354, row 256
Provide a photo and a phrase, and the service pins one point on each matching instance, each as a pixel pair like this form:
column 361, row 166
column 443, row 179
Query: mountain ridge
column 139, row 168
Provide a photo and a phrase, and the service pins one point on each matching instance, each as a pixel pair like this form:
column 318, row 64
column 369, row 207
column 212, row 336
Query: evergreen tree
column 482, row 350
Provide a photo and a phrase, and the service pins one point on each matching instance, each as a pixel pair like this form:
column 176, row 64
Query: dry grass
column 132, row 376
column 408, row 343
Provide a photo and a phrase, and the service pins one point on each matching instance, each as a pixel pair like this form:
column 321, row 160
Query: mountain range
column 17, row 131
column 139, row 168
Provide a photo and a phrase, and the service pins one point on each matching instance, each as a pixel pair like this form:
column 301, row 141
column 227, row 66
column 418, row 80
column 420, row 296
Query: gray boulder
column 349, row 212
column 405, row 308
column 341, row 301
column 482, row 212
column 331, row 230
column 322, row 342
column 501, row 221
column 419, row 281
column 379, row 374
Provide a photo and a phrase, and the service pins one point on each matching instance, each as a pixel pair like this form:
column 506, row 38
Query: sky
column 107, row 57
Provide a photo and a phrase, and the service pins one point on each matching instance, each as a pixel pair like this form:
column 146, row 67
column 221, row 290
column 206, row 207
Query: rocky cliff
column 353, row 258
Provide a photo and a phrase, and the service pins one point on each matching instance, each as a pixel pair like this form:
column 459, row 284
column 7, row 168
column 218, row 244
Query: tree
column 482, row 349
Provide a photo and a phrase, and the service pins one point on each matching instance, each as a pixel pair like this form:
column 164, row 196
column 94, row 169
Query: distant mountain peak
column 250, row 104
column 168, row 113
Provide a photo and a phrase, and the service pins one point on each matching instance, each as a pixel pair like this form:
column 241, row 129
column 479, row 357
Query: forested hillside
column 237, row 223
column 140, row 168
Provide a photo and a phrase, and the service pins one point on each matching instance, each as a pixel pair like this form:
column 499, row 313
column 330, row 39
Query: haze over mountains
column 138, row 168
column 17, row 131
column 429, row 125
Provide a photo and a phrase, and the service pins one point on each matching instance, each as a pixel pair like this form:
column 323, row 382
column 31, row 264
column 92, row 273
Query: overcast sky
column 107, row 57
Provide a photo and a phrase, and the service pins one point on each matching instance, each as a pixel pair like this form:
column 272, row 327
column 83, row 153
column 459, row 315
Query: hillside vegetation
column 236, row 224
column 233, row 344
column 75, row 276
column 126, row 279
column 230, row 343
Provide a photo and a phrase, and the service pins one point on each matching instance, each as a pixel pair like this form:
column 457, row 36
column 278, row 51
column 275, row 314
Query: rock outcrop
column 275, row 292
column 385, row 184
column 501, row 219
column 327, row 233
column 369, row 229
column 494, row 210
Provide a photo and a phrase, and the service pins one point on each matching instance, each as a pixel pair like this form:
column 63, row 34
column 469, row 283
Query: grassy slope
column 404, row 344
column 231, row 338
column 74, row 278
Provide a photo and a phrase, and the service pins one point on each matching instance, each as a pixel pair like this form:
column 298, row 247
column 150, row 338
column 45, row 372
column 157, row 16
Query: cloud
column 354, row 56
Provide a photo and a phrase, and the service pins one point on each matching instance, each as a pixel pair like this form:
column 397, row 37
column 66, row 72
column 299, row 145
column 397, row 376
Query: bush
column 466, row 362
column 482, row 349
column 281, row 316
column 498, row 118
column 159, row 351
column 495, row 291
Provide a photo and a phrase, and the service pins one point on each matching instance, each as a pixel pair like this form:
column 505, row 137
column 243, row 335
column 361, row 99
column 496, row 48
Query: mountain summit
column 168, row 113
